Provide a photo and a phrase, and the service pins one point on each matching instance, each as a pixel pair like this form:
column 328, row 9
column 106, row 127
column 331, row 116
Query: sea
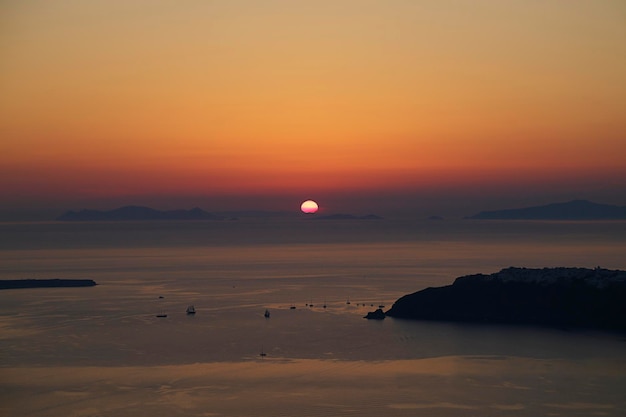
column 102, row 351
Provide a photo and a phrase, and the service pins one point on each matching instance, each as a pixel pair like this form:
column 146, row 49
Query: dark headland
column 10, row 284
column 571, row 210
column 557, row 297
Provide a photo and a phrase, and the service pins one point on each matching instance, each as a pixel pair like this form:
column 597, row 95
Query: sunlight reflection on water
column 102, row 351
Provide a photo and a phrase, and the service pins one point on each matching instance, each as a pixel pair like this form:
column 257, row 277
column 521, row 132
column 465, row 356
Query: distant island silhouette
column 135, row 213
column 11, row 284
column 572, row 210
column 347, row 217
column 436, row 218
column 562, row 297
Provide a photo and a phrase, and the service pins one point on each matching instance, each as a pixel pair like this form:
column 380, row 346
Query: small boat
column 161, row 313
column 191, row 310
column 267, row 314
column 292, row 307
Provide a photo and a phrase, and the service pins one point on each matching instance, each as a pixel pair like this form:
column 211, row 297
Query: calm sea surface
column 102, row 351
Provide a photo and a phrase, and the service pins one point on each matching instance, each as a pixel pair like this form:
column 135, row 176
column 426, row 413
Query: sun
column 309, row 206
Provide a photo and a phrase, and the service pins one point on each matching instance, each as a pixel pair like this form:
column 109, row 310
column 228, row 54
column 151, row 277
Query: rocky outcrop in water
column 564, row 297
column 375, row 315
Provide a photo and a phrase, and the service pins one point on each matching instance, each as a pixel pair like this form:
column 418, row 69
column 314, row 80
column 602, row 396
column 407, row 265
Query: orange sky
column 207, row 103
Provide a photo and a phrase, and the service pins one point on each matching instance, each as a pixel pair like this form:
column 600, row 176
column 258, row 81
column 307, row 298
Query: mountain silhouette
column 137, row 213
column 572, row 210
column 340, row 216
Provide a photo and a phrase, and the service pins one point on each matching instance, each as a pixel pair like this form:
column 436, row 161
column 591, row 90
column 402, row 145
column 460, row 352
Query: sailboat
column 191, row 310
column 262, row 354
column 161, row 314
column 267, row 314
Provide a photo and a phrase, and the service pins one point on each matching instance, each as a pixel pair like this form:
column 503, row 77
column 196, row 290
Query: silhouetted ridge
column 348, row 217
column 572, row 210
column 136, row 213
column 571, row 297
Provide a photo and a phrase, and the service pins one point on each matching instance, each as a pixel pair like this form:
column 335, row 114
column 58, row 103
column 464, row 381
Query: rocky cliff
column 565, row 297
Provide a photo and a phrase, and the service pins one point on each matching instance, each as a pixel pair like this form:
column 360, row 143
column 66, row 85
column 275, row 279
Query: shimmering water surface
column 102, row 351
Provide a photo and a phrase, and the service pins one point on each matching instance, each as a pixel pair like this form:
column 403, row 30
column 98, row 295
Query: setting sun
column 309, row 206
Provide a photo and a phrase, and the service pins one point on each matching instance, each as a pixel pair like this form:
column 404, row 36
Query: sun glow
column 309, row 206
column 236, row 107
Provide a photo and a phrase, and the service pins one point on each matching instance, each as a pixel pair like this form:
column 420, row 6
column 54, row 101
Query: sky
column 415, row 106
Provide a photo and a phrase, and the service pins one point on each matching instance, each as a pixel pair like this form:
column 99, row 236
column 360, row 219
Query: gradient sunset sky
column 431, row 107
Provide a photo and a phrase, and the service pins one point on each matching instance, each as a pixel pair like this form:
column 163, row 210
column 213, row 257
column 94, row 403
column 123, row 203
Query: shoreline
column 13, row 284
